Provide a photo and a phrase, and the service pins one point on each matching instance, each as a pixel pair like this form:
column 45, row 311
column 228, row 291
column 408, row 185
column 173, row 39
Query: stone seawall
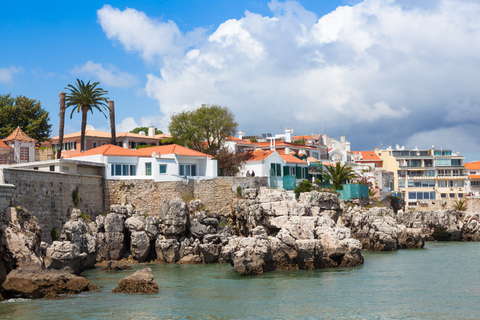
column 218, row 195
column 6, row 195
column 48, row 196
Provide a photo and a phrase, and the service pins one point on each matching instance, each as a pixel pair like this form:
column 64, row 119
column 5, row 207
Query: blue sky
column 382, row 72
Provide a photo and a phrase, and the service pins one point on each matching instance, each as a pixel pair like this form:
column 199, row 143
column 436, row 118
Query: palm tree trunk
column 84, row 126
column 62, row 124
column 111, row 106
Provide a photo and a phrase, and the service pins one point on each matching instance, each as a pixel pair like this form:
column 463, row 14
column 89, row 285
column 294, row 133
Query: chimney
column 288, row 134
column 342, row 138
column 151, row 131
column 241, row 134
column 287, row 150
column 62, row 124
column 111, row 107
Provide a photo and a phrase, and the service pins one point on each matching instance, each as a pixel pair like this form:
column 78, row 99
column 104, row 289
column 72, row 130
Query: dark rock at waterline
column 139, row 282
column 117, row 265
column 36, row 284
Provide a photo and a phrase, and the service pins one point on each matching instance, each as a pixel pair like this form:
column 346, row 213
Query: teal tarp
column 289, row 182
column 353, row 191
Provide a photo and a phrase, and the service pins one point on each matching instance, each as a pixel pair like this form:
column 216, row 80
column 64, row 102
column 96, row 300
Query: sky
column 382, row 72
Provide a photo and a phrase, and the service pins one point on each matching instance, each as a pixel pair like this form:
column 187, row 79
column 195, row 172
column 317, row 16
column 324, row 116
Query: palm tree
column 83, row 98
column 339, row 174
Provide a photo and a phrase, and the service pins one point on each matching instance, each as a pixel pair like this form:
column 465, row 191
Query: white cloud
column 6, row 74
column 109, row 75
column 377, row 70
column 148, row 36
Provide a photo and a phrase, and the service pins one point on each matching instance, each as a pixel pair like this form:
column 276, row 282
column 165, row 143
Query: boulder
column 140, row 282
column 77, row 232
column 65, row 254
column 139, row 245
column 36, row 284
column 190, row 259
column 410, row 238
column 173, row 217
column 167, row 250
column 135, row 223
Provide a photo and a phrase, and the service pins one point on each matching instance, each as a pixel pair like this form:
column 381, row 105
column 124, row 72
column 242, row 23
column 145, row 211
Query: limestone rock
column 36, row 284
column 65, row 254
column 140, row 245
column 173, row 217
column 135, row 224
column 117, row 265
column 190, row 259
column 140, row 282
column 167, row 250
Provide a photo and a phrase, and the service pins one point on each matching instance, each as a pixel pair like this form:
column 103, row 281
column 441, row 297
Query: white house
column 280, row 168
column 162, row 163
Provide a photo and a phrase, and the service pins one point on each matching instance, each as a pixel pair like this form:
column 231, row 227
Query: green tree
column 338, row 175
column 83, row 98
column 25, row 113
column 304, row 186
column 145, row 129
column 204, row 129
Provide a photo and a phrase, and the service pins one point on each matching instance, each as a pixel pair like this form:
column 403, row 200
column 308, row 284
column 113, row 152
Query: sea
column 440, row 281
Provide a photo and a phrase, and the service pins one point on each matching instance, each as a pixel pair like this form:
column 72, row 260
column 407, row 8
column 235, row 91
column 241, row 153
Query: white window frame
column 94, row 144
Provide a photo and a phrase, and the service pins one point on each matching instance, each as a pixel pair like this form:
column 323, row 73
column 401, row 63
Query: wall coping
column 7, row 186
column 53, row 172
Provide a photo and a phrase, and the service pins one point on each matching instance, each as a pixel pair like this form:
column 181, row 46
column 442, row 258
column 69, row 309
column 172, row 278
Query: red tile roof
column 110, row 150
column 236, row 139
column 18, row 134
column 473, row 165
column 259, row 155
column 173, row 149
column 367, row 156
column 3, row 145
column 303, row 137
column 474, row 176
column 289, row 158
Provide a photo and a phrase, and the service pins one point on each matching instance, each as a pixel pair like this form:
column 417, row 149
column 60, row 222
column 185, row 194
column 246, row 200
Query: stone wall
column 218, row 195
column 6, row 195
column 48, row 195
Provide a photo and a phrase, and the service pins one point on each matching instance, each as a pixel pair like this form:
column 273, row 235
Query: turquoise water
column 441, row 281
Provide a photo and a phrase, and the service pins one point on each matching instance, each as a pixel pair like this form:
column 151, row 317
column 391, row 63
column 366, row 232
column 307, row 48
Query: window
column 401, row 183
column 275, row 170
column 460, row 195
column 410, row 183
column 23, row 154
column 473, row 172
column 452, row 195
column 188, row 170
column 475, row 183
column 417, row 184
column 52, row 168
column 444, row 162
column 94, row 144
column 451, row 183
column 163, row 168
column 441, row 183
column 456, row 162
column 412, row 195
column 148, row 168
column 430, row 173
column 443, row 195
column 459, row 183
column 35, row 168
column 123, row 169
column 3, row 160
column 73, row 145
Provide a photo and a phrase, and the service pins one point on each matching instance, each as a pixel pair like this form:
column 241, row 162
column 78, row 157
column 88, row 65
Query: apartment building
column 426, row 177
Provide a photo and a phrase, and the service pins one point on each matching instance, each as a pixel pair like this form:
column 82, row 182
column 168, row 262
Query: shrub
column 75, row 198
column 239, row 191
column 85, row 217
column 54, row 234
column 304, row 186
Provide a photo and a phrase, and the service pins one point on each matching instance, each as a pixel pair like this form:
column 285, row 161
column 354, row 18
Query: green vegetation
column 85, row 217
column 304, row 186
column 239, row 191
column 338, row 175
column 145, row 129
column 75, row 198
column 204, row 129
column 145, row 146
column 84, row 98
column 25, row 113
column 460, row 205
column 54, row 234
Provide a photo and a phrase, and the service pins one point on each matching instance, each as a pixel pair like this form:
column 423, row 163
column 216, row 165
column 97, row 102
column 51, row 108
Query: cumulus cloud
column 108, row 75
column 149, row 37
column 6, row 74
column 378, row 70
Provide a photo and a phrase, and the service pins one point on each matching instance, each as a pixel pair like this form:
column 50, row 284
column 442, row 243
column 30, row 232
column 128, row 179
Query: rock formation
column 139, row 282
column 40, row 283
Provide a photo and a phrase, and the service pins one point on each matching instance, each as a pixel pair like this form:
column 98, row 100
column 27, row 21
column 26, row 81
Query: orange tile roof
column 259, row 155
column 367, row 155
column 236, row 139
column 474, row 176
column 18, row 134
column 3, row 145
column 303, row 137
column 110, row 150
column 288, row 158
column 173, row 149
column 163, row 136
column 106, row 135
column 472, row 165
